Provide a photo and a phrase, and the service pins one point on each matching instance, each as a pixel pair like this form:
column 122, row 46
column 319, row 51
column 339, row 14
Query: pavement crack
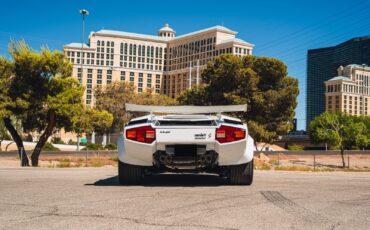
column 54, row 212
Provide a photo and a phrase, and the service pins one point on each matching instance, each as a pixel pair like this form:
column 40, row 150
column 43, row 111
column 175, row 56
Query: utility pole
column 83, row 12
column 190, row 69
column 198, row 73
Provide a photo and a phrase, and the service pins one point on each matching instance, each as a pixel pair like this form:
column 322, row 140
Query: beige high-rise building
column 349, row 92
column 165, row 63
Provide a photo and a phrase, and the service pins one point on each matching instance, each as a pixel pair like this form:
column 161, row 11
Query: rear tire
column 129, row 174
column 241, row 174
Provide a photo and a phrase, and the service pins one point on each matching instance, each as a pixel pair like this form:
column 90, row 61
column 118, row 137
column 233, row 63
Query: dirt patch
column 64, row 161
column 357, row 162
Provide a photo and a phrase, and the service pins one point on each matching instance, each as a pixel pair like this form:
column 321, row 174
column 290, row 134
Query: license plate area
column 185, row 150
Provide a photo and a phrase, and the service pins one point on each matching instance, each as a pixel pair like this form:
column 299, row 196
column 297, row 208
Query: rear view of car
column 186, row 139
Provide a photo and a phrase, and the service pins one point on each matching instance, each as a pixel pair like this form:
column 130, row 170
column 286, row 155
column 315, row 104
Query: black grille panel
column 185, row 150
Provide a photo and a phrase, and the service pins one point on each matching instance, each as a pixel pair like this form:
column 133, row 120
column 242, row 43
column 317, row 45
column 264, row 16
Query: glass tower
column 322, row 65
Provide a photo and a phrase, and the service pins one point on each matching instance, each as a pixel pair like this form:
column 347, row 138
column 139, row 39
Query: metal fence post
column 348, row 160
column 86, row 157
column 21, row 156
column 314, row 162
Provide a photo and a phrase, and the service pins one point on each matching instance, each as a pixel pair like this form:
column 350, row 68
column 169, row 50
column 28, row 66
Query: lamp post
column 83, row 12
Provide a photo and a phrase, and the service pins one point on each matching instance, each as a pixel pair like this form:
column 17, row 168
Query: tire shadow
column 170, row 180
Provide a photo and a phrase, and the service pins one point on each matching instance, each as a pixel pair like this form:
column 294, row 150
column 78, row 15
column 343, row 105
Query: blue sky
column 282, row 29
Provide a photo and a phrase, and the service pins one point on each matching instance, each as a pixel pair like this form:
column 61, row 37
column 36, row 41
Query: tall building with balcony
column 322, row 65
column 349, row 92
column 165, row 63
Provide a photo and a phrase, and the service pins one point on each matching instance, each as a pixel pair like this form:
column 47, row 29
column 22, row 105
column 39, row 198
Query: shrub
column 110, row 146
column 64, row 165
column 49, row 147
column 91, row 146
column 70, row 142
column 295, row 147
column 293, row 168
column 265, row 167
column 114, row 158
column 57, row 140
column 273, row 162
column 96, row 163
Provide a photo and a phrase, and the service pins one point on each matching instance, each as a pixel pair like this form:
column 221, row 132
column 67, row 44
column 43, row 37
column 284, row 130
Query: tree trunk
column 7, row 146
column 43, row 138
column 342, row 153
column 18, row 140
column 255, row 144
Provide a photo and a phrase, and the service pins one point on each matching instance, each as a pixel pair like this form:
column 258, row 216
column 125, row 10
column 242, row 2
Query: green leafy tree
column 340, row 130
column 261, row 82
column 149, row 98
column 113, row 98
column 40, row 92
column 3, row 133
column 89, row 120
column 6, row 69
column 366, row 121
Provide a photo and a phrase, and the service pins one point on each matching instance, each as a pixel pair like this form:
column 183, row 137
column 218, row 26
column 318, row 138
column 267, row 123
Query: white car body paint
column 141, row 154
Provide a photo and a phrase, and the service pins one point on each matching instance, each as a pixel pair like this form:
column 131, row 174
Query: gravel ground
column 90, row 198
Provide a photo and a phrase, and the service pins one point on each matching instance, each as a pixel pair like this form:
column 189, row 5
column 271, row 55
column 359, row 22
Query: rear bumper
column 239, row 152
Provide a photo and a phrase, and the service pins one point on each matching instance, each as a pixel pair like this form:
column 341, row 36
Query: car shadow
column 170, row 180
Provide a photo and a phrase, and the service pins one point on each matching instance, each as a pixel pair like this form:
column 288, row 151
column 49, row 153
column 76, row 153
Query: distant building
column 349, row 92
column 164, row 62
column 322, row 65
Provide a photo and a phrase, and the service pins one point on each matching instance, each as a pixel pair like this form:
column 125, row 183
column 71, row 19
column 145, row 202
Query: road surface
column 90, row 198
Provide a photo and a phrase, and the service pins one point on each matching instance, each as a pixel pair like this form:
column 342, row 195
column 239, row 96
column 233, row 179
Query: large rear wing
column 186, row 109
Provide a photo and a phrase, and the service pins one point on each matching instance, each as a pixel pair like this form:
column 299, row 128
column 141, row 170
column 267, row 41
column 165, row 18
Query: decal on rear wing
column 186, row 109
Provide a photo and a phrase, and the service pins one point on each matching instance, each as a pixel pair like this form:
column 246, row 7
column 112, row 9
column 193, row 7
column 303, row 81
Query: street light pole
column 83, row 12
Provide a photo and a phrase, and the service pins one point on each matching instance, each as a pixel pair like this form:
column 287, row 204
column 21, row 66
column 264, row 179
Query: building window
column 123, row 75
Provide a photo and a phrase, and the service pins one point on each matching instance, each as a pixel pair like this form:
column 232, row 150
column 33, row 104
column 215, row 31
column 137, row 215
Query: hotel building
column 165, row 63
column 322, row 64
column 349, row 92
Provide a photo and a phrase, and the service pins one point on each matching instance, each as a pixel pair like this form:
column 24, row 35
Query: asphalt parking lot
column 90, row 198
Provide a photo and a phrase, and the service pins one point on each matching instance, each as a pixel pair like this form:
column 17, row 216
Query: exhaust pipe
column 168, row 159
column 208, row 159
column 202, row 159
column 165, row 158
column 162, row 158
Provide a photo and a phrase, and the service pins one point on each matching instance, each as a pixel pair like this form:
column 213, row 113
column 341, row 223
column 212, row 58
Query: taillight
column 226, row 134
column 145, row 134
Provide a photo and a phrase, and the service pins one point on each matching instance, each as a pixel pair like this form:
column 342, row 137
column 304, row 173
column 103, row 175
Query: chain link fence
column 313, row 160
column 264, row 160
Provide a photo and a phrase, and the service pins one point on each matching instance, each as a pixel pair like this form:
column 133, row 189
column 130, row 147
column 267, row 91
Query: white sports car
column 186, row 139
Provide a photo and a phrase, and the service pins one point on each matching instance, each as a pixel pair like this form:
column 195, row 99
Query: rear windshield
column 135, row 122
